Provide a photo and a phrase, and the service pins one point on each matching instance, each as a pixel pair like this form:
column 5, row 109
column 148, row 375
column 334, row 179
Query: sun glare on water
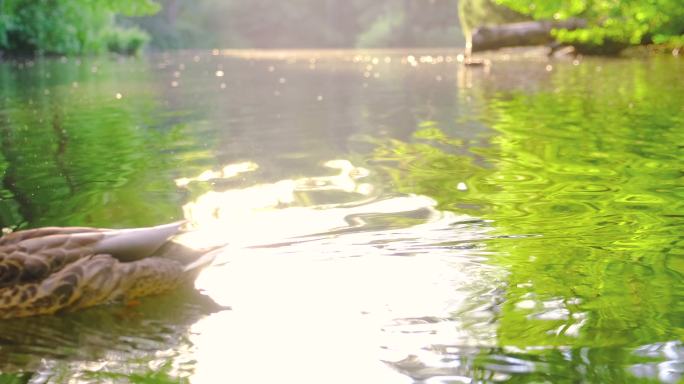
column 315, row 292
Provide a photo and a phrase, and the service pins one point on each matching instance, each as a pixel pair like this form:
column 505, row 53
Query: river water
column 385, row 216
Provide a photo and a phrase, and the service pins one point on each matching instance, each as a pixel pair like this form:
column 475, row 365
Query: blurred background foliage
column 125, row 26
column 303, row 23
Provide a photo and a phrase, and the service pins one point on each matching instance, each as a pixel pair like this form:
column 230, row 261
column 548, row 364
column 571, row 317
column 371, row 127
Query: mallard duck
column 52, row 269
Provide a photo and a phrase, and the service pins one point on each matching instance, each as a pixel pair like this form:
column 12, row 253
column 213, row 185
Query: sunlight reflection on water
column 318, row 293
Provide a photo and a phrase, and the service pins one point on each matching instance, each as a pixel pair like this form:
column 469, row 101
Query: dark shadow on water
column 127, row 335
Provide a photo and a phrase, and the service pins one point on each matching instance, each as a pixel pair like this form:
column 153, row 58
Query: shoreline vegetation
column 71, row 27
column 600, row 27
column 126, row 27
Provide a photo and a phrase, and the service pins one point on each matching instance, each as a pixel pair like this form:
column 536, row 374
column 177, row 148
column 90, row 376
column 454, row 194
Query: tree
column 70, row 26
column 612, row 25
column 477, row 13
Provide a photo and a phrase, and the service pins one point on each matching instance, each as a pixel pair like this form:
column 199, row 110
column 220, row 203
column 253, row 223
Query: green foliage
column 68, row 26
column 126, row 41
column 613, row 24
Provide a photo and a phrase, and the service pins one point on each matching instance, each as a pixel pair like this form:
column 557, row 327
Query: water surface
column 389, row 217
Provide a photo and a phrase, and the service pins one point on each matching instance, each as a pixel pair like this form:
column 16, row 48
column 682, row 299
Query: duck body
column 53, row 269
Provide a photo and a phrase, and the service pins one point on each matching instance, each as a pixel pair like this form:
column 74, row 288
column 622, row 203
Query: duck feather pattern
column 53, row 269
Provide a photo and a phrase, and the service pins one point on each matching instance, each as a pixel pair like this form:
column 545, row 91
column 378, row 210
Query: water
column 391, row 217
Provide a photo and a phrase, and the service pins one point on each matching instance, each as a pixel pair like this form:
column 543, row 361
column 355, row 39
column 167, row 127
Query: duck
column 50, row 270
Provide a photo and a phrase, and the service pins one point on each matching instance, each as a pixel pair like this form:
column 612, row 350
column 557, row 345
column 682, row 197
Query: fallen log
column 525, row 33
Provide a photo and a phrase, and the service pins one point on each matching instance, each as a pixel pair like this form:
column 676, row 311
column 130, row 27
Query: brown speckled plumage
column 46, row 270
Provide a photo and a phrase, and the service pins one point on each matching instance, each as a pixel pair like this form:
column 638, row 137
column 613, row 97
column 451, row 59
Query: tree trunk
column 519, row 34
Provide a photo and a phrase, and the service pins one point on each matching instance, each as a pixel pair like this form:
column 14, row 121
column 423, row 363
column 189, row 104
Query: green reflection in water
column 74, row 150
column 19, row 378
column 161, row 376
column 583, row 181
